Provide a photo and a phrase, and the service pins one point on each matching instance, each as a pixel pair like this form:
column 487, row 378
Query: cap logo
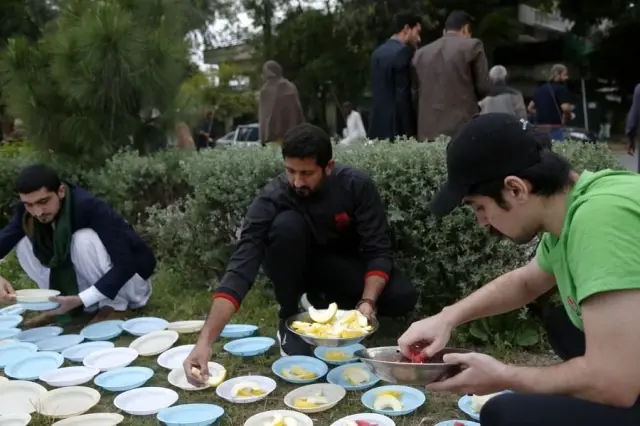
column 524, row 123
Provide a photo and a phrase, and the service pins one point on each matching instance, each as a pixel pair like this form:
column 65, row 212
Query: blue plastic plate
column 36, row 334
column 190, row 415
column 236, row 331
column 15, row 351
column 464, row 404
column 8, row 333
column 33, row 365
column 249, row 346
column 59, row 343
column 123, row 379
column 16, row 309
column 145, row 325
column 306, row 362
column 79, row 352
column 10, row 321
column 320, row 352
column 453, row 422
column 40, row 306
column 336, row 377
column 105, row 330
column 411, row 399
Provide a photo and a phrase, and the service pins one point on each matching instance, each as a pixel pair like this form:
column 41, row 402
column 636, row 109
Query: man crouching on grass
column 68, row 240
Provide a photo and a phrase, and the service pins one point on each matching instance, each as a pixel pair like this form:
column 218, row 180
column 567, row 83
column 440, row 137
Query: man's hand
column 367, row 309
column 432, row 334
column 631, row 147
column 7, row 293
column 483, row 375
column 67, row 304
column 198, row 358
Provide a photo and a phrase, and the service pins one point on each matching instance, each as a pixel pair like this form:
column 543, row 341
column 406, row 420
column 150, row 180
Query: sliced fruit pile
column 279, row 420
column 356, row 375
column 214, row 379
column 296, row 372
column 310, row 401
column 333, row 323
column 388, row 400
column 337, row 356
column 246, row 390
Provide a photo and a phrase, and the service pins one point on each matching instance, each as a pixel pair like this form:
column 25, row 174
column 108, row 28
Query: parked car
column 244, row 136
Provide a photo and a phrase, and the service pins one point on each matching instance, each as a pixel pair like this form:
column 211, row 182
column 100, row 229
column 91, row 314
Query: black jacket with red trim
column 345, row 216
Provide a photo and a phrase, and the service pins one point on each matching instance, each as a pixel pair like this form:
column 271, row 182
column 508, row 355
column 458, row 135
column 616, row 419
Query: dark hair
column 35, row 177
column 457, row 20
column 307, row 141
column 549, row 177
column 404, row 18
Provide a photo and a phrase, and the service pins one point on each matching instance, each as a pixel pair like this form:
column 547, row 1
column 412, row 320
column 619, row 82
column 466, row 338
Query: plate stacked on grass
column 95, row 419
column 105, row 330
column 186, row 327
column 111, row 359
column 40, row 333
column 144, row 325
column 59, row 343
column 249, row 346
column 10, row 321
column 79, row 352
column 16, row 309
column 32, row 366
column 15, row 419
column 19, row 397
column 67, row 402
column 69, row 376
column 145, row 401
column 173, row 358
column 124, row 379
column 15, row 352
column 237, row 331
column 155, row 342
column 190, row 415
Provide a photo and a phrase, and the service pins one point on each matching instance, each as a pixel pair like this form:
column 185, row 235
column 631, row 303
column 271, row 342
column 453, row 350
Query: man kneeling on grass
column 70, row 241
column 320, row 229
column 589, row 252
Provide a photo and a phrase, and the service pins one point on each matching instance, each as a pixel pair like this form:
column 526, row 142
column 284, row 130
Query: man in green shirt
column 590, row 251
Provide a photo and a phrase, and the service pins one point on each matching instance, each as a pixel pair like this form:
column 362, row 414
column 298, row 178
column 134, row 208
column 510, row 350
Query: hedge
column 191, row 205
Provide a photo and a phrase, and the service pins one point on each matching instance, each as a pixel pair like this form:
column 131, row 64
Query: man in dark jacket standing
column 392, row 112
column 68, row 240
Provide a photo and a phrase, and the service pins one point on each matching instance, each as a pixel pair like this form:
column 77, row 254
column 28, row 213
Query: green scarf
column 52, row 246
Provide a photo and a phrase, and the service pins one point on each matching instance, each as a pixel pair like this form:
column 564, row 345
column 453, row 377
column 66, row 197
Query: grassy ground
column 175, row 302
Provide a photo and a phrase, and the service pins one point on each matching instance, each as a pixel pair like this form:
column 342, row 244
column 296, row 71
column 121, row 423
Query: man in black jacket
column 319, row 228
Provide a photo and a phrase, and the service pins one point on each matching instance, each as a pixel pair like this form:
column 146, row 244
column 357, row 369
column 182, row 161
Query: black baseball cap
column 488, row 148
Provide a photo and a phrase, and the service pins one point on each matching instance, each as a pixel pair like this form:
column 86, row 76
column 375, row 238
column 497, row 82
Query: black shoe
column 290, row 343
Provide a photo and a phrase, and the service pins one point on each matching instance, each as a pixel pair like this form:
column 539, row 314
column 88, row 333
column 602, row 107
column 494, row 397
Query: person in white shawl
column 354, row 131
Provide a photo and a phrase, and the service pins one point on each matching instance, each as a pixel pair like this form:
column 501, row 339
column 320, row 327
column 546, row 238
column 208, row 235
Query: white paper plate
column 8, row 341
column 333, row 393
column 67, row 402
column 154, row 343
column 178, row 378
column 3, row 379
column 35, row 295
column 373, row 418
column 185, row 327
column 16, row 309
column 15, row 419
column 21, row 397
column 267, row 384
column 261, row 419
column 145, row 401
column 173, row 358
column 69, row 376
column 109, row 359
column 96, row 419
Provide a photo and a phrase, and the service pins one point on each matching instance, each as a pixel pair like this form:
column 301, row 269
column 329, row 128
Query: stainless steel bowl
column 330, row 342
column 391, row 366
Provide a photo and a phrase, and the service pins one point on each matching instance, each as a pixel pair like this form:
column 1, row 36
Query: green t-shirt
column 599, row 247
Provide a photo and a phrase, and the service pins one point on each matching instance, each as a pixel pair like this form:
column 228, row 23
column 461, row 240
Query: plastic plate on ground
column 110, row 359
column 250, row 346
column 465, row 405
column 59, row 343
column 371, row 418
column 236, row 331
column 15, row 309
column 8, row 333
column 145, row 325
column 186, row 327
column 124, row 379
column 359, row 373
column 10, row 321
column 145, row 401
column 154, row 343
column 36, row 334
column 287, row 367
column 331, row 393
column 5, row 342
column 15, row 419
column 264, row 418
column 21, row 397
column 105, row 330
column 344, row 351
column 457, row 423
column 79, row 352
column 40, row 306
column 410, row 398
column 67, row 402
column 227, row 389
column 15, row 352
column 190, row 415
column 33, row 365
column 173, row 358
column 69, row 376
column 3, row 379
column 95, row 419
column 35, row 295
column 178, row 378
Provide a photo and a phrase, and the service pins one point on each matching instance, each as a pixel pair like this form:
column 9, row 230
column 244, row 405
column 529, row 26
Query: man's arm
column 11, row 234
column 563, row 98
column 405, row 112
column 480, row 70
column 633, row 118
column 531, row 108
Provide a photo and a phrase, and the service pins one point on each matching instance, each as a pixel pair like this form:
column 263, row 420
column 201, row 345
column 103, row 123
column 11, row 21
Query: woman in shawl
column 280, row 108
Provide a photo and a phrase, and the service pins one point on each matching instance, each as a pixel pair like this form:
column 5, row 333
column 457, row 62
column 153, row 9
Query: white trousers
column 91, row 262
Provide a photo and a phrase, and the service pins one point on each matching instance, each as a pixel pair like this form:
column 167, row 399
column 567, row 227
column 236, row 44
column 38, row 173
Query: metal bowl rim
column 397, row 363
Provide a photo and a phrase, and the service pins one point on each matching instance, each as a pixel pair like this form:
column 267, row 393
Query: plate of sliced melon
column 246, row 389
column 353, row 377
column 315, row 398
column 279, row 418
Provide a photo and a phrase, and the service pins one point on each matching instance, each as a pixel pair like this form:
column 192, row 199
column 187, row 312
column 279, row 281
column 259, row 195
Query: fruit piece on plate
column 323, row 316
column 458, row 423
column 310, row 401
column 356, row 375
column 246, row 389
column 279, row 420
column 387, row 402
column 297, row 372
column 214, row 379
column 336, row 356
column 478, row 401
column 393, row 393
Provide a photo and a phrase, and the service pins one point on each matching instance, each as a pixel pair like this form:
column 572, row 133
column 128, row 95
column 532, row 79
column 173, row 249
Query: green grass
column 174, row 301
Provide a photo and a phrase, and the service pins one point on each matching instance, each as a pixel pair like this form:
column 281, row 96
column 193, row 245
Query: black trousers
column 296, row 267
column 515, row 409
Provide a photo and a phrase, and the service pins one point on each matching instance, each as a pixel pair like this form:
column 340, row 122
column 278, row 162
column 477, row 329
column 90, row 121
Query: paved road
column 630, row 163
